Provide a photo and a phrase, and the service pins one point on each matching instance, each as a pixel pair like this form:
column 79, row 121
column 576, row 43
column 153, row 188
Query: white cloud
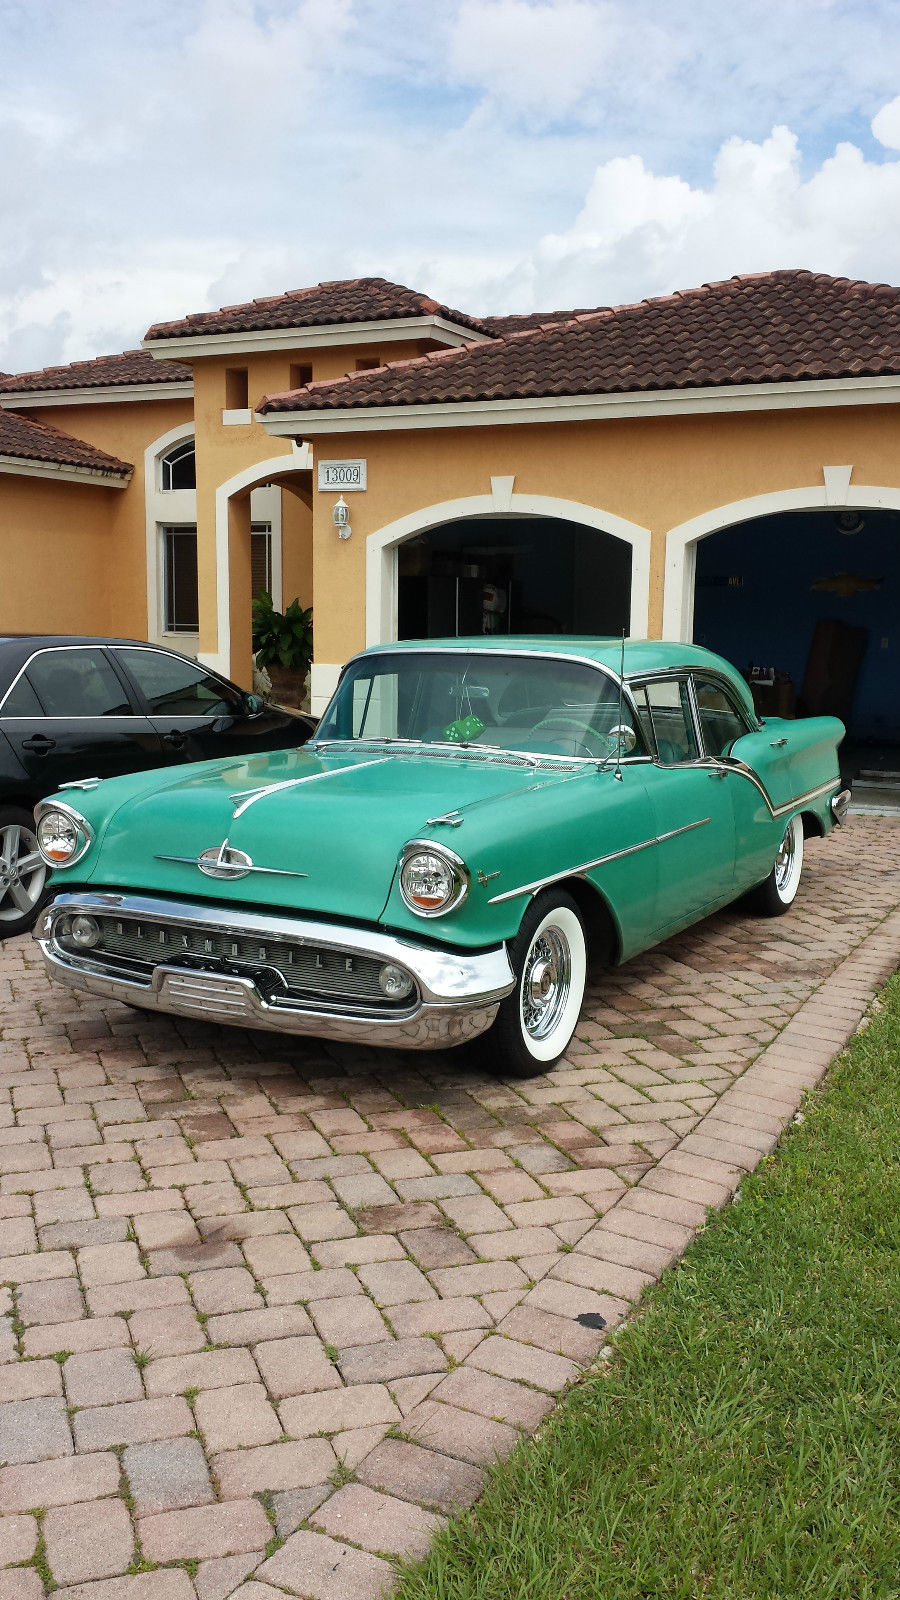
column 533, row 59
column 165, row 156
column 641, row 234
column 886, row 125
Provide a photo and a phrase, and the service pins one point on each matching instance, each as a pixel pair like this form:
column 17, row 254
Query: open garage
column 806, row 605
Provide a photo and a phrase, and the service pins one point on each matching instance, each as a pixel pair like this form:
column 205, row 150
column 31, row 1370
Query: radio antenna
column 618, row 772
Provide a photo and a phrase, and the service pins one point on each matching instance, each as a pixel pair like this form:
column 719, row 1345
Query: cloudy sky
column 503, row 155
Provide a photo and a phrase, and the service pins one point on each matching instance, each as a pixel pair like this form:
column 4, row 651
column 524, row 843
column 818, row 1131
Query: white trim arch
column 381, row 547
column 298, row 460
column 682, row 541
column 161, row 506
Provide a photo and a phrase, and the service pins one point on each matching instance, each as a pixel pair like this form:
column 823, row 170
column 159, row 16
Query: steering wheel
column 560, row 723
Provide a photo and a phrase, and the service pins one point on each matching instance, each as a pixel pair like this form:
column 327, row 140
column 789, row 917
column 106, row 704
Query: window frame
column 725, row 688
column 170, row 629
column 172, row 457
column 87, row 716
column 231, row 690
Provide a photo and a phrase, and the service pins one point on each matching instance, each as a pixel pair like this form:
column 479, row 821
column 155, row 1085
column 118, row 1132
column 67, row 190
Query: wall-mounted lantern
column 340, row 516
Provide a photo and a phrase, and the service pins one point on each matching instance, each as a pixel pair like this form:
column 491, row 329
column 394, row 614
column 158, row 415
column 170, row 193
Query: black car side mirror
column 253, row 706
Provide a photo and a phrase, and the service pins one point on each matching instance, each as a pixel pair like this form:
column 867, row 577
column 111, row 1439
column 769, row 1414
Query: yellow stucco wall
column 656, row 472
column 57, row 542
column 80, row 514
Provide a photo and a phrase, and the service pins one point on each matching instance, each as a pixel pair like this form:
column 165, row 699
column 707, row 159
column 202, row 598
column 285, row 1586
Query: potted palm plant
column 283, row 646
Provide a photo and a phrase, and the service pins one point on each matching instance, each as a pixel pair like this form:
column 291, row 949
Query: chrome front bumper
column 455, row 999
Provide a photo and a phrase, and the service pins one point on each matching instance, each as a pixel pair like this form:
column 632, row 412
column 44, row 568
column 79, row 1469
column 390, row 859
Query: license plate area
column 207, row 994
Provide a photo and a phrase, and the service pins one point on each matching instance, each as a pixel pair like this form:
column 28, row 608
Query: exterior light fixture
column 849, row 522
column 340, row 516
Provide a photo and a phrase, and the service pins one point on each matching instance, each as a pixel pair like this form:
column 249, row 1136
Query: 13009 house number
column 343, row 475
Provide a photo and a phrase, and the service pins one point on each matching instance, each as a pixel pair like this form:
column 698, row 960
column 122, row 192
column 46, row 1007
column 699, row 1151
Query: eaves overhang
column 60, row 472
column 718, row 400
column 316, row 337
column 105, row 394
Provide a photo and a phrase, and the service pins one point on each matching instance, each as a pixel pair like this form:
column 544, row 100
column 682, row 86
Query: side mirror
column 625, row 736
column 253, row 706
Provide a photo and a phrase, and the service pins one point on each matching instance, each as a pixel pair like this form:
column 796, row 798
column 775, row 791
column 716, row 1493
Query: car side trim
column 600, row 861
column 742, row 770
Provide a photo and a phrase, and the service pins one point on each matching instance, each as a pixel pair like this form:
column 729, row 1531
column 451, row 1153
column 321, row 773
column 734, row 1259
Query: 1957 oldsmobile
column 474, row 820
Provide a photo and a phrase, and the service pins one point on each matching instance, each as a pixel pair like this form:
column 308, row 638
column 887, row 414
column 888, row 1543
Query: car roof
column 642, row 656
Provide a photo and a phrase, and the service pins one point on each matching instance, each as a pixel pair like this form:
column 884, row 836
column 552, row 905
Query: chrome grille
column 281, row 969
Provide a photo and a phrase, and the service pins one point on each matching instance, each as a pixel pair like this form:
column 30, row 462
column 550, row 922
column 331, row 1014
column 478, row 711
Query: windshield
column 535, row 705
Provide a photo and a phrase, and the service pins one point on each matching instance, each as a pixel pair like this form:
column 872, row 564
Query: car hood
column 323, row 832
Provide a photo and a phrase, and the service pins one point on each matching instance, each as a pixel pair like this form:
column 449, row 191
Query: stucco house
column 720, row 464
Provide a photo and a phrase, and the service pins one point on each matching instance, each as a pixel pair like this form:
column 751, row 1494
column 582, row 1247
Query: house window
column 178, row 468
column 300, row 376
column 367, row 364
column 181, row 609
column 260, row 558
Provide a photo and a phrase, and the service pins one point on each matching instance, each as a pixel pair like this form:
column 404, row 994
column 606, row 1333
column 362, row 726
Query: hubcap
column 784, row 861
column 545, row 982
column 22, row 872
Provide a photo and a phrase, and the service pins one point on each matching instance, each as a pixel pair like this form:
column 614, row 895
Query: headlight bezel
column 458, row 875
column 83, row 831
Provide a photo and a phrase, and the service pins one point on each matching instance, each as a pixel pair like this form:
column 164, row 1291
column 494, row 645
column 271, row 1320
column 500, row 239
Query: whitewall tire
column 776, row 896
column 535, row 1023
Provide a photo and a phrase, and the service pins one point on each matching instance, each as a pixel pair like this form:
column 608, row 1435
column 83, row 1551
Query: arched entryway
column 507, row 563
column 287, row 482
column 804, row 599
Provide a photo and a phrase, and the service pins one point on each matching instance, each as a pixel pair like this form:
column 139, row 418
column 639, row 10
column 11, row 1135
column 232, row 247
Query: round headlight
column 58, row 837
column 432, row 881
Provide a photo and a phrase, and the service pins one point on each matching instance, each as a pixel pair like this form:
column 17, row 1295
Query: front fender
column 593, row 826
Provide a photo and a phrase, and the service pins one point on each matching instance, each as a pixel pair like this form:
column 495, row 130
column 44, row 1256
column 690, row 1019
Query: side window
column 643, row 717
column 670, row 716
column 22, row 701
column 178, row 688
column 77, row 683
column 720, row 722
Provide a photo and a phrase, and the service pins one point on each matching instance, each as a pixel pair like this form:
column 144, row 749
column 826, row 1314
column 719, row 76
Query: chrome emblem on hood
column 223, row 861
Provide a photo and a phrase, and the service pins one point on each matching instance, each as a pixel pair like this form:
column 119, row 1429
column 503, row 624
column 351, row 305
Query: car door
column 690, row 810
column 722, row 725
column 69, row 715
column 197, row 714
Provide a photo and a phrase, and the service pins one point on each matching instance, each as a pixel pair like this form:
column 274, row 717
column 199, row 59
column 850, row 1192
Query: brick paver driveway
column 270, row 1308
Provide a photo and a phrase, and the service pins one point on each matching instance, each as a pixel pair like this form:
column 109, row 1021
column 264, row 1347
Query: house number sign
column 343, row 475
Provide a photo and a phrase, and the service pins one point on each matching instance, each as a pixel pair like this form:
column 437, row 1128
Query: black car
column 75, row 708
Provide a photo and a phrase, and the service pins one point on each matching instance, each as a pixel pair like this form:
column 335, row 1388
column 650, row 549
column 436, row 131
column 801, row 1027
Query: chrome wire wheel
column 546, row 982
column 789, row 862
column 553, row 970
column 22, row 875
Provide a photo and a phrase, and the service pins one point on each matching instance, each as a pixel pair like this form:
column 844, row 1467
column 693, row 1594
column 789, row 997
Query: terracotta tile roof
column 27, row 440
column 768, row 328
column 346, row 300
column 527, row 321
column 132, row 366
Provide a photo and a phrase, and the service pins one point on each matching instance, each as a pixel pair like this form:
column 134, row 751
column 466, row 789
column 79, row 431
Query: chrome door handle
column 778, row 744
column 719, row 772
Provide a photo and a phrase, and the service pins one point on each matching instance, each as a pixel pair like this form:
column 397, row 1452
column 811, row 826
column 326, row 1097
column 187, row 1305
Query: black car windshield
column 533, row 704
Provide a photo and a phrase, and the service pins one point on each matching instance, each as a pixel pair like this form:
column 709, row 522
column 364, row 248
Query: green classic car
column 474, row 821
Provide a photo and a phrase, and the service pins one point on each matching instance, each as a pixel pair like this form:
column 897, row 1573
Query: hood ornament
column 224, row 862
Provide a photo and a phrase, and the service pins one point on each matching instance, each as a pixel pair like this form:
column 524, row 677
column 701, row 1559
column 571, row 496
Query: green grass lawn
column 742, row 1439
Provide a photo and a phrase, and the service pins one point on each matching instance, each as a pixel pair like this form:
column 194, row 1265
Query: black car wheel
column 22, row 872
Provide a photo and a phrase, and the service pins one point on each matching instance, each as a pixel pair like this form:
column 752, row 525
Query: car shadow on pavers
column 273, row 1308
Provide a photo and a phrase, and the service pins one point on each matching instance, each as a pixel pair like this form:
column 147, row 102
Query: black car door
column 69, row 715
column 199, row 715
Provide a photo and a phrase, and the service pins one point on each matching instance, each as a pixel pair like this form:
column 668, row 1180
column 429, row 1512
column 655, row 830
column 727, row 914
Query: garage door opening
column 807, row 606
column 507, row 574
